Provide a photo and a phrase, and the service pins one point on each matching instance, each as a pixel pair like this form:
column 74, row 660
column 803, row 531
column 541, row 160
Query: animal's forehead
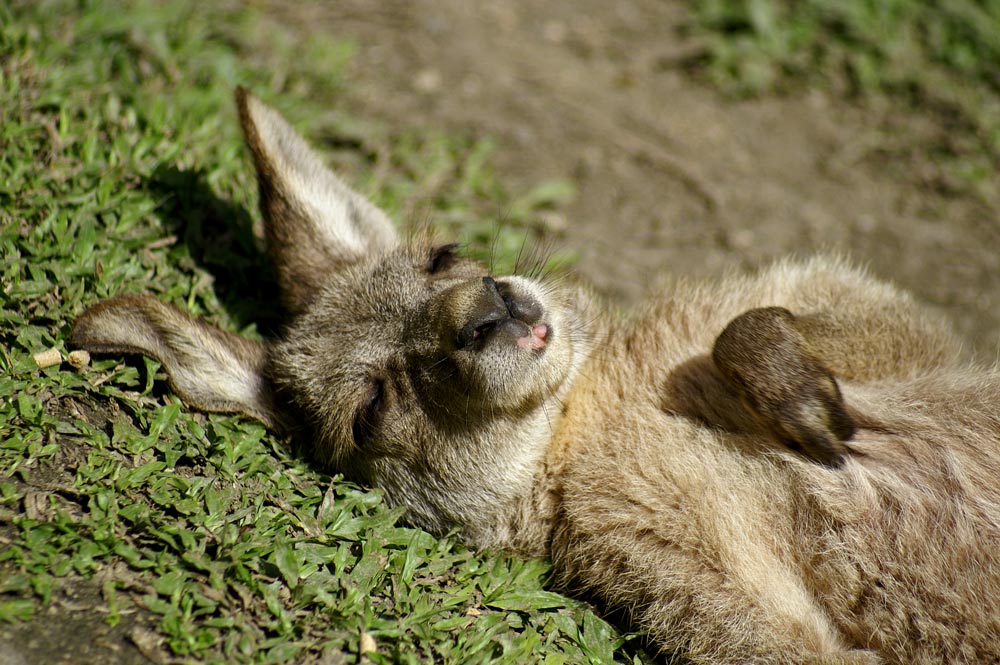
column 354, row 327
column 361, row 322
column 384, row 290
column 373, row 292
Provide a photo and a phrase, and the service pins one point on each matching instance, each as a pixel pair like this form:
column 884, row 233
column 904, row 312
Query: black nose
column 490, row 312
column 524, row 309
column 499, row 309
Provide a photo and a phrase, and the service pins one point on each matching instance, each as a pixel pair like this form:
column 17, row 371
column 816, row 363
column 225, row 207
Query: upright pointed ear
column 314, row 223
column 209, row 368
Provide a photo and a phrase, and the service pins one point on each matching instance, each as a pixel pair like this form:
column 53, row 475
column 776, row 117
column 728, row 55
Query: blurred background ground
column 688, row 158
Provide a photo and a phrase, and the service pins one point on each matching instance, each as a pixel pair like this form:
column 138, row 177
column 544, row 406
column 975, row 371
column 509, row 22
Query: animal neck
column 537, row 510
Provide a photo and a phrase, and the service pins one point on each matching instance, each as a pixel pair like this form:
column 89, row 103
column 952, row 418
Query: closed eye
column 441, row 258
column 369, row 416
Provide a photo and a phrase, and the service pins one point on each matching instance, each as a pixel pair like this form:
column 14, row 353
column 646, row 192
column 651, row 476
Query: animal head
column 402, row 364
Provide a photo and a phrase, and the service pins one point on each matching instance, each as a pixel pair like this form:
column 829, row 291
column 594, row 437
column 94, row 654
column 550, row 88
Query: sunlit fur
column 665, row 482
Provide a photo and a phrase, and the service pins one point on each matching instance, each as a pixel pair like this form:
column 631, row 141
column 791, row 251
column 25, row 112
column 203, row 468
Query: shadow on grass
column 219, row 237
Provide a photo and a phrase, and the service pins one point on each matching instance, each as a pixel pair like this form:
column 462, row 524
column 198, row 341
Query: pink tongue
column 534, row 339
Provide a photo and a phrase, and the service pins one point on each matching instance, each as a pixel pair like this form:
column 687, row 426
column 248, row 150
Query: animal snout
column 498, row 310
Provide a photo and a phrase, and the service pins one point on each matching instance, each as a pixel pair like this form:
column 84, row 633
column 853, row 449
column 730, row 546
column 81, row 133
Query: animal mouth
column 526, row 336
column 536, row 339
column 504, row 311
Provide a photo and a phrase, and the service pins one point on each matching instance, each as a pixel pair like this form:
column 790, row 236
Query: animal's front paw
column 768, row 362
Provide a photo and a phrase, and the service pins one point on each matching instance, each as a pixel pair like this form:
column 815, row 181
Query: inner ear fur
column 314, row 223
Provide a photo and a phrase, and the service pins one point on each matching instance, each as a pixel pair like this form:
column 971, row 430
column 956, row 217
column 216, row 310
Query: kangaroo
column 799, row 466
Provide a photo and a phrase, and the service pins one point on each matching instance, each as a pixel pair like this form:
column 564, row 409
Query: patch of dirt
column 671, row 176
column 72, row 631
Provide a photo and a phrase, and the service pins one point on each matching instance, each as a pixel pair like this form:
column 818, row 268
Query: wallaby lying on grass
column 696, row 467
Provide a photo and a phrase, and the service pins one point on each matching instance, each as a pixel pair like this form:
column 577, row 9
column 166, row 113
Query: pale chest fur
column 674, row 501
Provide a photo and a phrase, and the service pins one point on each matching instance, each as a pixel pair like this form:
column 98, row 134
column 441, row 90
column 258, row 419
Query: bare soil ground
column 671, row 176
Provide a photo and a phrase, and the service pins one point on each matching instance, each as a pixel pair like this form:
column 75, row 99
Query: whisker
column 435, row 364
column 547, row 419
column 520, row 252
column 498, row 227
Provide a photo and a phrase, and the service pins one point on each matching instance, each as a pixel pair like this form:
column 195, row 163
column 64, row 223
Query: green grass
column 935, row 58
column 122, row 170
